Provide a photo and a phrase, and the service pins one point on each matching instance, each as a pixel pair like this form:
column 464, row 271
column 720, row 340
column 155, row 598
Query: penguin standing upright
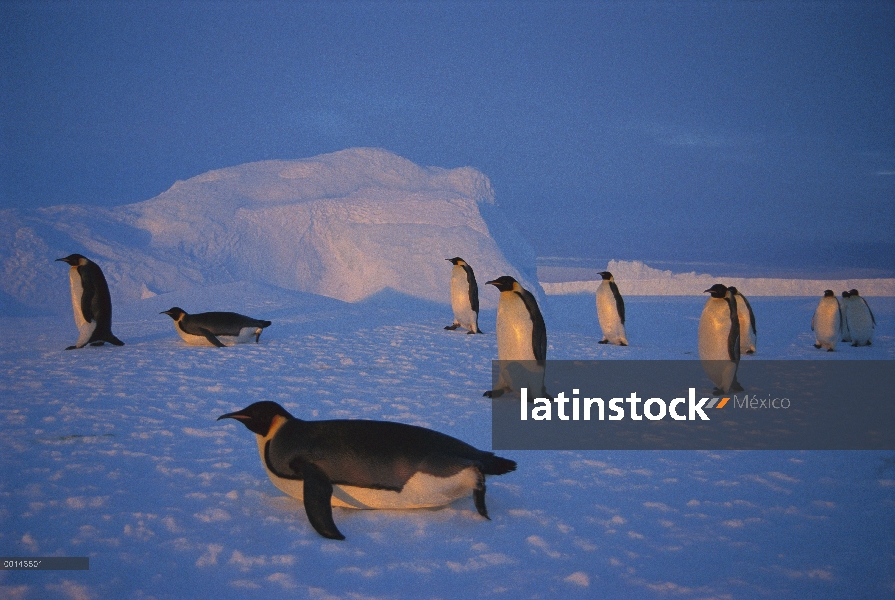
column 611, row 311
column 91, row 302
column 719, row 339
column 215, row 328
column 521, row 336
column 748, row 333
column 861, row 321
column 827, row 321
column 843, row 304
column 464, row 296
column 365, row 464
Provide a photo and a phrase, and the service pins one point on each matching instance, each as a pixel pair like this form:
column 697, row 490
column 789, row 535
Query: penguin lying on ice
column 365, row 464
column 91, row 302
column 203, row 329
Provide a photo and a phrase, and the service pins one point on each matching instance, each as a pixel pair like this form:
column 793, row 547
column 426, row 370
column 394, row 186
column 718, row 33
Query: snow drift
column 345, row 225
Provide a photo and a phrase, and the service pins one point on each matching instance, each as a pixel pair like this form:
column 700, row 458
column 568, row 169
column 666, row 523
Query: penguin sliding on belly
column 827, row 322
column 464, row 296
column 719, row 339
column 91, row 302
column 365, row 464
column 215, row 328
column 611, row 311
column 521, row 339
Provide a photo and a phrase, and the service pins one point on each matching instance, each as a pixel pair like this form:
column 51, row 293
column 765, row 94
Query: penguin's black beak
column 234, row 415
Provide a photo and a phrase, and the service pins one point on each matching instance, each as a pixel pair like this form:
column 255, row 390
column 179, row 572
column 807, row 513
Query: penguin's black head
column 72, row 259
column 456, row 260
column 845, row 294
column 175, row 312
column 606, row 275
column 829, row 293
column 258, row 417
column 853, row 293
column 719, row 290
column 504, row 284
column 733, row 291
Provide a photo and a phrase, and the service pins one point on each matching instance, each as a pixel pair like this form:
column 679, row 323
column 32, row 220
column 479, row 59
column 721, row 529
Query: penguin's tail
column 496, row 465
column 264, row 324
column 113, row 340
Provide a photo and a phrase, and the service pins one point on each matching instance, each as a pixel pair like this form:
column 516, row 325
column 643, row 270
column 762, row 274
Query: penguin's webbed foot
column 452, row 327
column 829, row 350
column 750, row 351
column 603, row 342
column 817, row 345
column 72, row 348
column 623, row 343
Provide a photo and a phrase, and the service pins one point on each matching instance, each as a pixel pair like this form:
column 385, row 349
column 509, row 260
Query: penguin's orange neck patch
column 275, row 424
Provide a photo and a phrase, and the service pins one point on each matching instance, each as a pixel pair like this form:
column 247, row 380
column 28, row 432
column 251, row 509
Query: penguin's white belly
column 860, row 325
column 420, row 491
column 514, row 329
column 827, row 327
column 246, row 334
column 607, row 314
column 85, row 328
column 462, row 307
column 714, row 329
column 77, row 292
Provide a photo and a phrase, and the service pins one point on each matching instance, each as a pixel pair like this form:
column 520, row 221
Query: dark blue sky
column 756, row 132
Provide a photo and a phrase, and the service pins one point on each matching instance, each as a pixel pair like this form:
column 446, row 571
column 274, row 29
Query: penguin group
column 848, row 320
column 92, row 306
column 368, row 464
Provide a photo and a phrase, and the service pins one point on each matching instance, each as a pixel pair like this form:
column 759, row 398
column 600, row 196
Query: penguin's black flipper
column 318, row 493
column 210, row 337
column 478, row 496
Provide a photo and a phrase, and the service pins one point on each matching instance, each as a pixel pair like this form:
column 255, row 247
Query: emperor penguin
column 91, row 302
column 521, row 339
column 611, row 311
column 215, row 328
column 846, row 336
column 365, row 464
column 827, row 322
column 861, row 321
column 464, row 296
column 748, row 334
column 719, row 339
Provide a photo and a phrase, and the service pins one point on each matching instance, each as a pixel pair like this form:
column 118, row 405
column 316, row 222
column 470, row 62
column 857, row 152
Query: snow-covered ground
column 115, row 454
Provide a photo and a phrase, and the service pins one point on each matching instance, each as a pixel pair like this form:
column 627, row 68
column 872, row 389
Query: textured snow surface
column 115, row 454
column 345, row 225
column 634, row 278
